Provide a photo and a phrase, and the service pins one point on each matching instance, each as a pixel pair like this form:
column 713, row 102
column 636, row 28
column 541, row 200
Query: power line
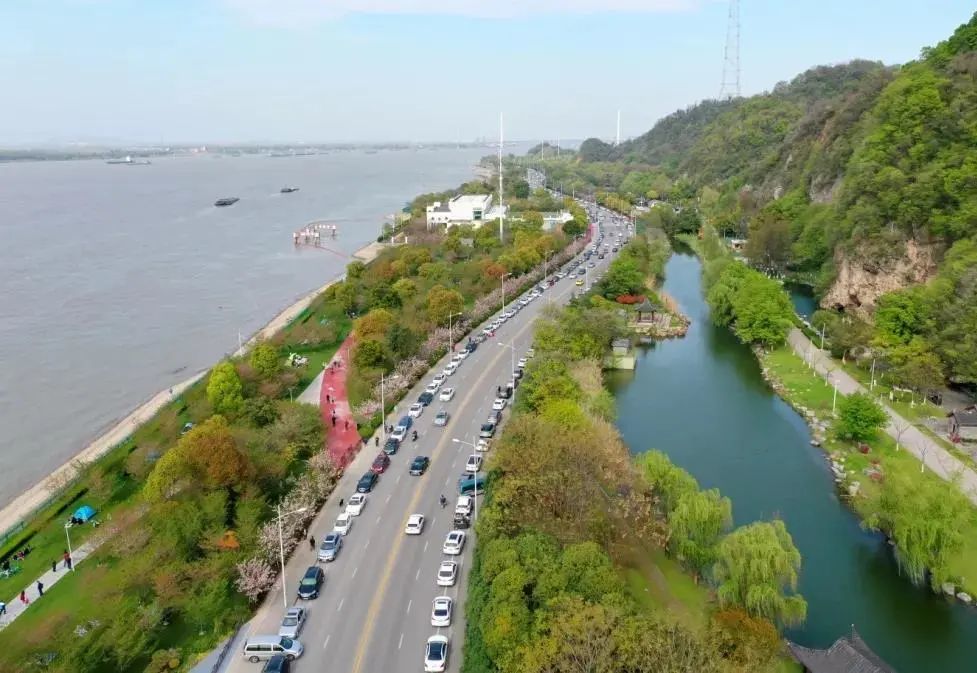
column 730, row 87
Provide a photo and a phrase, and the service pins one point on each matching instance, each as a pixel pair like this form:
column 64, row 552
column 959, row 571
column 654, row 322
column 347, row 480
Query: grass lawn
column 656, row 583
column 803, row 387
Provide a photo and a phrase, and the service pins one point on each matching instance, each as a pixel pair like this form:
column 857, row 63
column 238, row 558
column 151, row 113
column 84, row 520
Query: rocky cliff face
column 861, row 280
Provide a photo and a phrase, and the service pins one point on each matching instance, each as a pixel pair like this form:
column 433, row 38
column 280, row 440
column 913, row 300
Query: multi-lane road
column 374, row 609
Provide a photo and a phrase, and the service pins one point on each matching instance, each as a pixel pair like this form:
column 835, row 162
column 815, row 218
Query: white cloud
column 298, row 13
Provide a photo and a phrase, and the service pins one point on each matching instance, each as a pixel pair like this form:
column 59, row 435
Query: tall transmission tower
column 730, row 87
column 617, row 137
column 501, row 206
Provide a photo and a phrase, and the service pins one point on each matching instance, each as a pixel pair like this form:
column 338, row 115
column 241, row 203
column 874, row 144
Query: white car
column 399, row 433
column 343, row 523
column 454, row 543
column 464, row 505
column 530, row 353
column 436, row 654
column 415, row 524
column 441, row 611
column 498, row 404
column 432, row 388
column 473, row 464
column 511, row 314
column 439, row 380
column 482, row 445
column 447, row 394
column 450, row 369
column 521, row 362
column 447, row 573
column 458, row 357
column 415, row 410
column 355, row 504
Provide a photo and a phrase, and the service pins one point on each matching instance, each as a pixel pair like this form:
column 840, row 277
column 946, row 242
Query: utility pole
column 730, row 87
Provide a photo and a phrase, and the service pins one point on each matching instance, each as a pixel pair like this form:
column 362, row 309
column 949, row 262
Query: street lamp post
column 475, row 490
column 503, row 290
column 281, row 548
column 71, row 558
column 383, row 408
column 451, row 340
column 513, row 355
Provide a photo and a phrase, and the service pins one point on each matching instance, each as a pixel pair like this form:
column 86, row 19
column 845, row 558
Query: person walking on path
column 67, row 559
column 312, row 542
column 40, row 588
column 54, row 566
column 3, row 608
column 341, row 501
column 23, row 597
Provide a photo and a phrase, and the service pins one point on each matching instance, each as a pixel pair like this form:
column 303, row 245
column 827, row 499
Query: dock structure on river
column 312, row 234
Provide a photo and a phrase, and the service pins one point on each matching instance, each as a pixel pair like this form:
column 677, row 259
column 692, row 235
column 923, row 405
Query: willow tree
column 924, row 519
column 756, row 569
column 696, row 524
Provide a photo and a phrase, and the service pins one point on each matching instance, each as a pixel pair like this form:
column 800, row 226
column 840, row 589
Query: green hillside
column 858, row 177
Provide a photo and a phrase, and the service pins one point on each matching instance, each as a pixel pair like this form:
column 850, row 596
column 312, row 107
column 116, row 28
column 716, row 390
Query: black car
column 426, row 398
column 419, row 465
column 495, row 417
column 461, row 521
column 471, row 346
column 279, row 663
column 310, row 583
column 366, row 483
column 391, row 446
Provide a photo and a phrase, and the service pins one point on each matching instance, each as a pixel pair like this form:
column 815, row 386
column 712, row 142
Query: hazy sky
column 340, row 70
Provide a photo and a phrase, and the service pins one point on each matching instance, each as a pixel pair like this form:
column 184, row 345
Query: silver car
column 329, row 549
column 293, row 622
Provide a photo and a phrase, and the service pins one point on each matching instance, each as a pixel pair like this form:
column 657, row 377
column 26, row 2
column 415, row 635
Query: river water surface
column 703, row 401
column 118, row 281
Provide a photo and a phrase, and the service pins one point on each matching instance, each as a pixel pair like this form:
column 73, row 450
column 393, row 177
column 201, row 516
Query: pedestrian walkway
column 908, row 436
column 15, row 607
column 311, row 394
column 342, row 437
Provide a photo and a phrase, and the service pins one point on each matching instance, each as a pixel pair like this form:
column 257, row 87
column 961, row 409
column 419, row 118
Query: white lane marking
column 401, row 643
column 398, row 478
column 425, row 544
column 409, row 603
column 326, row 641
column 340, row 608
column 378, row 519
column 354, row 570
column 417, row 575
column 448, row 480
column 367, row 543
column 388, row 497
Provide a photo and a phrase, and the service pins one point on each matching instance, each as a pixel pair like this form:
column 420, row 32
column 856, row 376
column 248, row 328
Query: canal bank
column 702, row 400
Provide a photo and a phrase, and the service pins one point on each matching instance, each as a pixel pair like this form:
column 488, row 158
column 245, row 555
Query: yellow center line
column 378, row 596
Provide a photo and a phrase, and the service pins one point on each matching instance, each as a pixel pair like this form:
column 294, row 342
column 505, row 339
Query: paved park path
column 16, row 608
column 907, row 435
column 342, row 438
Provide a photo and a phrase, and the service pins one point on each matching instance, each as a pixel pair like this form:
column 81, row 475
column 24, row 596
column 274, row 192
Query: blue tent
column 84, row 513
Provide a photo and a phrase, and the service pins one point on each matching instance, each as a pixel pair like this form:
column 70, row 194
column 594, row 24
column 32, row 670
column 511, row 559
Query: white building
column 553, row 220
column 464, row 209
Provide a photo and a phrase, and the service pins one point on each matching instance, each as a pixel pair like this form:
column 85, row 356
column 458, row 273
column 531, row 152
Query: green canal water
column 702, row 401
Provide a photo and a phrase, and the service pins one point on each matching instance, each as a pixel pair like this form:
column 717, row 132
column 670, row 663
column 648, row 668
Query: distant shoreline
column 37, row 496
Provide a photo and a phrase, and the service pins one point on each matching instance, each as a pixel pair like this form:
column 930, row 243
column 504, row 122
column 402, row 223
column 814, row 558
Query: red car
column 380, row 464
